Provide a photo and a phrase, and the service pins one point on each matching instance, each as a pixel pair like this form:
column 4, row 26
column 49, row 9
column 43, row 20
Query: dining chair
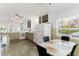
column 76, row 51
column 65, row 38
column 42, row 51
column 46, row 38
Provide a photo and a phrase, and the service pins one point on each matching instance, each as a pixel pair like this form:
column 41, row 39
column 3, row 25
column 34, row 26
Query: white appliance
column 22, row 35
column 42, row 30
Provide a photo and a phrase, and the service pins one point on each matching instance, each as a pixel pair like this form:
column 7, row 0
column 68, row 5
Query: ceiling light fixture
column 17, row 17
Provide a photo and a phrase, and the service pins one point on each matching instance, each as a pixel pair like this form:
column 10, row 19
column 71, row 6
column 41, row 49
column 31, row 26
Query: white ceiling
column 57, row 7
column 8, row 10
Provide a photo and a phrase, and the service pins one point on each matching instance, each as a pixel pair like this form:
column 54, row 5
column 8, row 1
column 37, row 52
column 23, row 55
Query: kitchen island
column 5, row 38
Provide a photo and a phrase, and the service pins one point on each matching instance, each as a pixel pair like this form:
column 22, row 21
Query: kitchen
column 16, row 31
column 19, row 22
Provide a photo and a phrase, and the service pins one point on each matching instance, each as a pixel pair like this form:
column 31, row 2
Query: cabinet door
column 47, row 30
column 38, row 37
column 22, row 35
column 30, row 36
column 47, row 27
column 39, row 27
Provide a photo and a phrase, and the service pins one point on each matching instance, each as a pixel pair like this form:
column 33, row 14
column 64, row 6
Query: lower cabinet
column 30, row 36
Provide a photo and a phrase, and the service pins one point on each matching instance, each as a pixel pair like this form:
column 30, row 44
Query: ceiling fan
column 17, row 17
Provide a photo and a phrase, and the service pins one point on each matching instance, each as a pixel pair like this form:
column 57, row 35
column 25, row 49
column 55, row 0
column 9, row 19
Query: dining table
column 58, row 47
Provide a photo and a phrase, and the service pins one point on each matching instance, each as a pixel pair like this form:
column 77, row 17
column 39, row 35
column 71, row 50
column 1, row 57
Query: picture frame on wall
column 45, row 18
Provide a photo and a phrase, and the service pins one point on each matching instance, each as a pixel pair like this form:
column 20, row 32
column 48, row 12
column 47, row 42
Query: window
column 29, row 24
column 69, row 26
column 39, row 20
column 3, row 29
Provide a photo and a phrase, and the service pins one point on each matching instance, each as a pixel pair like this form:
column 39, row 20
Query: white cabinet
column 4, row 43
column 41, row 31
column 38, row 37
column 0, row 45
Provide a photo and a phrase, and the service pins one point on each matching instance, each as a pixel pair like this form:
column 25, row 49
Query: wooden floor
column 21, row 48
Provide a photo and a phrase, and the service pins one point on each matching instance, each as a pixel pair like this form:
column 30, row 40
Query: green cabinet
column 30, row 36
